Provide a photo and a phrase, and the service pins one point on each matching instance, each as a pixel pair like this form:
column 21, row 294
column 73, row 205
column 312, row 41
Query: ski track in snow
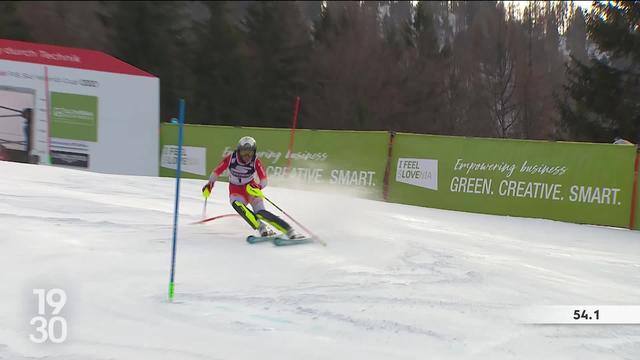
column 394, row 282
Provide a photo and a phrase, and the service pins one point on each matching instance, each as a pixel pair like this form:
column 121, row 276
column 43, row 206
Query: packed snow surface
column 394, row 282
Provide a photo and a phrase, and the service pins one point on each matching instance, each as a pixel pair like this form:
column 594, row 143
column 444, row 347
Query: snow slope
column 395, row 282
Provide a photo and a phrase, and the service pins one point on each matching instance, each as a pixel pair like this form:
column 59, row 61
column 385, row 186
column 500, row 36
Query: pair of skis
column 278, row 241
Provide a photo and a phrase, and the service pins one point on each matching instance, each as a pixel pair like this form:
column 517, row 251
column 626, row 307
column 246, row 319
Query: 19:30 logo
column 52, row 329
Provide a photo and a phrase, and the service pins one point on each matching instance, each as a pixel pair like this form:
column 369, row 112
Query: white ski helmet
column 247, row 143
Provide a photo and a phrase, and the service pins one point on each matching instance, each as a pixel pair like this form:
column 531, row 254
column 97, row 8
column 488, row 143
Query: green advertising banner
column 74, row 117
column 574, row 182
column 345, row 161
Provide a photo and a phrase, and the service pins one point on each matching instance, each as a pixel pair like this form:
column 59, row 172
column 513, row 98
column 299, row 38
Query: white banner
column 579, row 314
column 194, row 159
column 418, row 172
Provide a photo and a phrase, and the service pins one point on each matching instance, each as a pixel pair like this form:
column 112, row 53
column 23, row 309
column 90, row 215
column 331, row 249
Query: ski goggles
column 246, row 152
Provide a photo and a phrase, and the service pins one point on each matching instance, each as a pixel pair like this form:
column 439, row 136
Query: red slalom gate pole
column 634, row 193
column 296, row 110
column 48, row 102
column 387, row 170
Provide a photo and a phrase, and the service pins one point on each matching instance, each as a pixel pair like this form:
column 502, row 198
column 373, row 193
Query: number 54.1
column 583, row 314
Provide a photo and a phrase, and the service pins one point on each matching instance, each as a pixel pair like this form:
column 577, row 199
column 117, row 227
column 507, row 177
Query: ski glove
column 254, row 190
column 206, row 190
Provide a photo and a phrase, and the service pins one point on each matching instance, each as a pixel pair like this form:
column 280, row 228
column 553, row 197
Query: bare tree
column 352, row 75
column 498, row 74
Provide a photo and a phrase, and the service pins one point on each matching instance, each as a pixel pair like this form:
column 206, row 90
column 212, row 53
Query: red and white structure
column 88, row 109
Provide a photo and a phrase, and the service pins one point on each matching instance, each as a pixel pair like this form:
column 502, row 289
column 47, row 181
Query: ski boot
column 292, row 235
column 265, row 231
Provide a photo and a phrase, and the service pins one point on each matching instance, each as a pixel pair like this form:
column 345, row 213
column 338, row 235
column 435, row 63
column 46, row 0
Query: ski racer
column 243, row 164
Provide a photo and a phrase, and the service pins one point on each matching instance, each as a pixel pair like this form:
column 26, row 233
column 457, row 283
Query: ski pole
column 204, row 209
column 258, row 193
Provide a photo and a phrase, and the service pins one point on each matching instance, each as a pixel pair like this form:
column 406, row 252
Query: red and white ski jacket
column 240, row 173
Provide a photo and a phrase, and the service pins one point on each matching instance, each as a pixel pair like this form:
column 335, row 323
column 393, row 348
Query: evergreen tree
column 278, row 43
column 395, row 24
column 577, row 36
column 149, row 35
column 354, row 77
column 604, row 95
column 424, row 88
column 423, row 31
column 219, row 70
column 64, row 23
column 11, row 25
column 311, row 11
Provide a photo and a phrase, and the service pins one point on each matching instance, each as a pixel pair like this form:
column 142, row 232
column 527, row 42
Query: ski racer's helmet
column 246, row 146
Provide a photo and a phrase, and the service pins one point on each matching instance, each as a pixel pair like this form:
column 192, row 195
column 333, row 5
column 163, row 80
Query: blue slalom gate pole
column 175, row 211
